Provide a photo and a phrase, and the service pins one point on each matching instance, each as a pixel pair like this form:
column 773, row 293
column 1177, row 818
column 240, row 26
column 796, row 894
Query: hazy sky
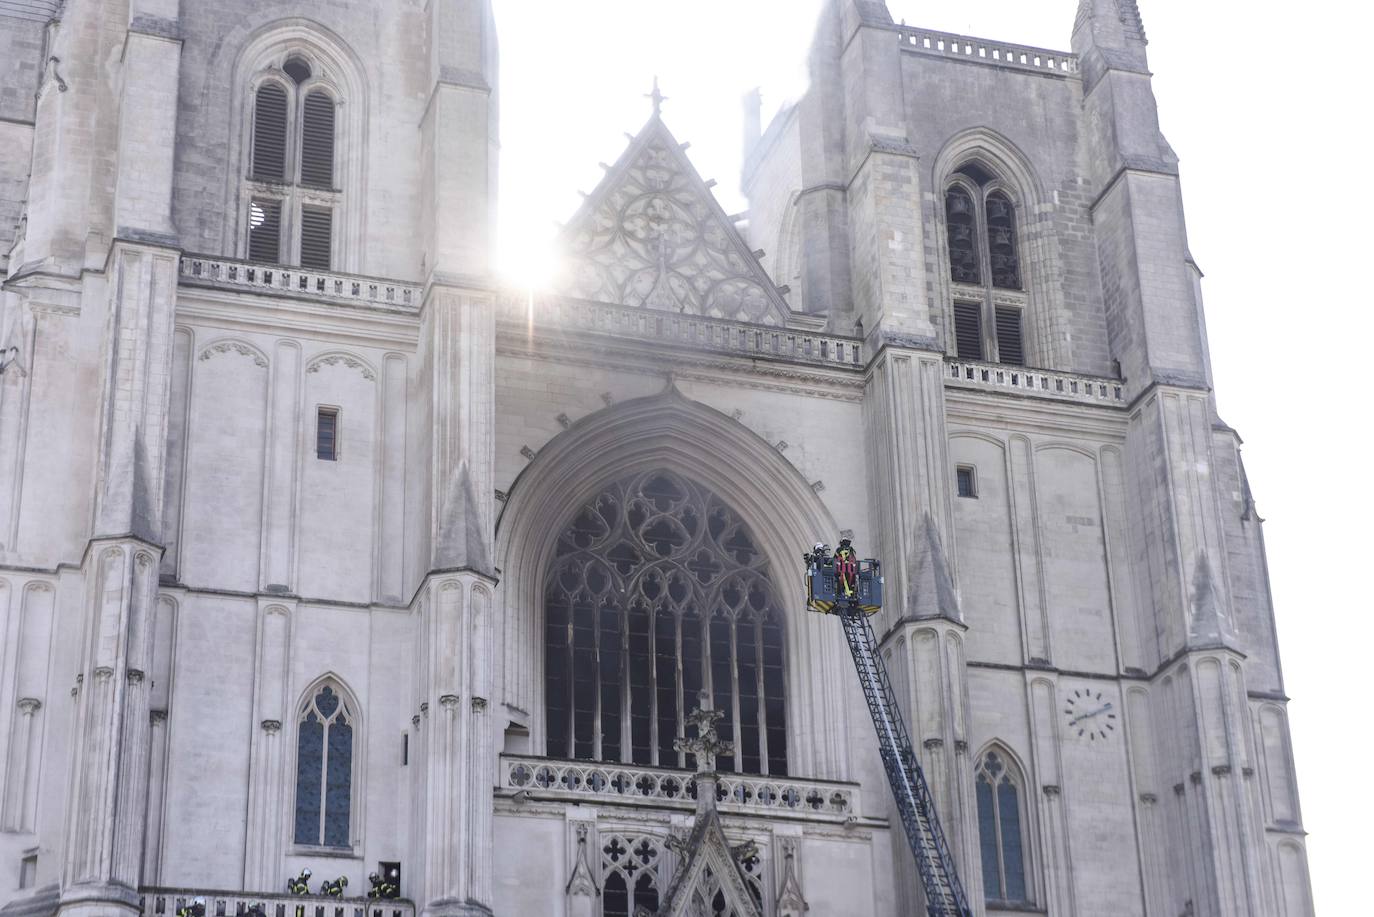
column 1262, row 103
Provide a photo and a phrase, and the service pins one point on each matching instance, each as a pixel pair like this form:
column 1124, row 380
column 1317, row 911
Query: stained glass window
column 658, row 591
column 324, row 771
column 1000, row 839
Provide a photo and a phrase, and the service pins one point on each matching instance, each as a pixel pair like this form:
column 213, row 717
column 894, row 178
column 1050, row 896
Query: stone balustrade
column 692, row 331
column 225, row 273
column 583, row 781
column 1037, row 382
column 982, row 51
column 164, row 902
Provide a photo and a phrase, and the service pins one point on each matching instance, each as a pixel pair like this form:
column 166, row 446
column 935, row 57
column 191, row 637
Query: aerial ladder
column 843, row 585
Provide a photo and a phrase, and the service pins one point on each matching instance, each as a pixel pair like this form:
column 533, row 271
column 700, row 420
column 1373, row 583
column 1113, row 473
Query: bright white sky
column 1261, row 102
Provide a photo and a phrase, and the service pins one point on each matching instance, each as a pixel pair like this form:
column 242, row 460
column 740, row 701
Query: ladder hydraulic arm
column 852, row 589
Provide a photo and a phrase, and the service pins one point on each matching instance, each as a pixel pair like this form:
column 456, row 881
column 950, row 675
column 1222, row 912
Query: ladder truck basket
column 834, row 581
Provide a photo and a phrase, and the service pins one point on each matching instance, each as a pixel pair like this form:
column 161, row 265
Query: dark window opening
column 967, row 481
column 317, row 231
column 1009, row 349
column 968, row 330
column 264, row 230
column 963, row 239
column 327, row 434
column 1006, row 267
column 297, row 69
column 28, row 870
column 317, row 141
column 976, row 172
column 269, row 133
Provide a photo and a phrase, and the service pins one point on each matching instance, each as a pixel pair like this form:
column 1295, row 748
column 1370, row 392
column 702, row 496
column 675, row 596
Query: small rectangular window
column 327, row 434
column 405, row 749
column 1009, row 349
column 317, row 224
column 967, row 481
column 968, row 330
column 264, row 230
column 28, row 870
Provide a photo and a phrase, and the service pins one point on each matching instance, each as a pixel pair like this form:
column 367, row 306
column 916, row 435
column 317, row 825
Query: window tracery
column 1001, row 829
column 656, row 592
column 985, row 266
column 324, row 770
column 630, row 867
column 290, row 182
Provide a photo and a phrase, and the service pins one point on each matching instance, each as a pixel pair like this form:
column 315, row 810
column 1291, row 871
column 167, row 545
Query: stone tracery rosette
column 653, row 237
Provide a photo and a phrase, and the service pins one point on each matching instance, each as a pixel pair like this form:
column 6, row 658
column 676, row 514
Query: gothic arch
column 673, row 433
column 1014, row 175
column 342, row 76
column 1020, row 775
column 302, row 704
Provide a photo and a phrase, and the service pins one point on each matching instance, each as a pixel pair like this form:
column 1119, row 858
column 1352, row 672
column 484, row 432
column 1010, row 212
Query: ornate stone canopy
column 652, row 235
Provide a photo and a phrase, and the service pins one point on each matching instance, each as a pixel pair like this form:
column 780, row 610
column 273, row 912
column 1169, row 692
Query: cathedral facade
column 320, row 549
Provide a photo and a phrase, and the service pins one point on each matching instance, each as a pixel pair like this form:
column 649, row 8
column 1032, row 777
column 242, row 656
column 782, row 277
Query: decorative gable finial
column 708, row 743
column 658, row 99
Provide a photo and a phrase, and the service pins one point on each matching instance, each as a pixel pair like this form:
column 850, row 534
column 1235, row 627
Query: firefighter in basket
column 847, row 569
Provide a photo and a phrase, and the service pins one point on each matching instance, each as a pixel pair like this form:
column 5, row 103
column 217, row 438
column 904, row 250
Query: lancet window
column 985, row 267
column 290, row 183
column 658, row 591
column 324, row 770
column 1001, row 829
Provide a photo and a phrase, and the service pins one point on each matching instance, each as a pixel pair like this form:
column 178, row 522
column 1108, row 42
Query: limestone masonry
column 320, row 549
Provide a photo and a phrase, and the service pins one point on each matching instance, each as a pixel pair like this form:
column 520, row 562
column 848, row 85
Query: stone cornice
column 644, row 358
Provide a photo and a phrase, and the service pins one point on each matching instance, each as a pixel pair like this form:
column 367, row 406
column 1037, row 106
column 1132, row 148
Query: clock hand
column 1092, row 713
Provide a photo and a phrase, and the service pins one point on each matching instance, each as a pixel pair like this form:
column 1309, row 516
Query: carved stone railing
column 697, row 332
column 1038, row 382
column 585, row 781
column 224, row 273
column 982, row 51
column 163, row 902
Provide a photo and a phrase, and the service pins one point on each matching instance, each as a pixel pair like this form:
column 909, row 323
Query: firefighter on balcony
column 334, row 889
column 299, row 885
column 196, row 908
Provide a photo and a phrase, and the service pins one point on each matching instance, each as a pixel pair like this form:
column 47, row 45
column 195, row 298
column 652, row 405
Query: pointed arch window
column 325, row 736
column 290, row 192
column 658, row 591
column 985, row 267
column 1001, row 829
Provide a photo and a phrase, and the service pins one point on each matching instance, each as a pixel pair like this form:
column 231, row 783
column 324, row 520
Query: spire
column 460, row 544
column 657, row 98
column 930, row 589
column 1210, row 623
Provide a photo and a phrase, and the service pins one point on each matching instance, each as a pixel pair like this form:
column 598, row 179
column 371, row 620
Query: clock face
column 1088, row 715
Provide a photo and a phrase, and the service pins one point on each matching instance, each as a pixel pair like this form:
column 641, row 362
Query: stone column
column 266, row 789
column 459, row 757
column 18, row 802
